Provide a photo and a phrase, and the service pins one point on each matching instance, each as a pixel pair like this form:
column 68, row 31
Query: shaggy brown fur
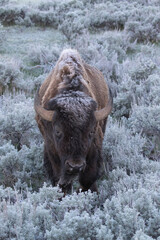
column 73, row 87
column 70, row 63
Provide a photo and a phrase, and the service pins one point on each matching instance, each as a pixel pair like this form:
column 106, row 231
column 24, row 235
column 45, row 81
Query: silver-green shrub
column 21, row 147
column 123, row 147
column 144, row 26
column 10, row 75
column 41, row 215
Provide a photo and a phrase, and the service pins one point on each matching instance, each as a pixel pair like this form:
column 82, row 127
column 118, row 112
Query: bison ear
column 52, row 104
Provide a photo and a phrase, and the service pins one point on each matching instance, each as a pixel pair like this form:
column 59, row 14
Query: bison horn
column 104, row 112
column 45, row 114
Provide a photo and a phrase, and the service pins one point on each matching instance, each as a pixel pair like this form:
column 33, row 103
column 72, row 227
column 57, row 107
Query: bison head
column 73, row 120
column 73, row 128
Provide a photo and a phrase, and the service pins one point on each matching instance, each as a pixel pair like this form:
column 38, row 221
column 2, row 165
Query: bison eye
column 58, row 131
column 91, row 134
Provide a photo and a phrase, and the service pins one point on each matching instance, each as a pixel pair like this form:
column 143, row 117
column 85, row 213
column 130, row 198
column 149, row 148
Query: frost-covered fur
column 68, row 70
column 74, row 106
column 69, row 65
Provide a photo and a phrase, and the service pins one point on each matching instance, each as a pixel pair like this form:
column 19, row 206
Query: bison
column 72, row 106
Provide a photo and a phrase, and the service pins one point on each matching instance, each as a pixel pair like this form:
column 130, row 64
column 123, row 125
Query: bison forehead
column 75, row 106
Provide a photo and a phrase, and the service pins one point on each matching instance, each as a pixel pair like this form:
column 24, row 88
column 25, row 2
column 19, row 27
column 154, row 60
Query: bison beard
column 72, row 107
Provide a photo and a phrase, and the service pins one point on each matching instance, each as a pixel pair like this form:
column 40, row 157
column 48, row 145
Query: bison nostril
column 81, row 169
column 68, row 164
column 75, row 167
column 70, row 169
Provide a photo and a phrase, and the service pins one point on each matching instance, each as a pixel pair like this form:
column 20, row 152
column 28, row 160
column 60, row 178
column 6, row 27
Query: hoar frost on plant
column 123, row 147
column 10, row 74
column 21, row 146
column 17, row 118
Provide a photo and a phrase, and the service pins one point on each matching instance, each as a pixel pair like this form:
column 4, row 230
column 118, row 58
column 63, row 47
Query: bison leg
column 88, row 179
column 48, row 168
column 92, row 171
column 93, row 188
column 51, row 169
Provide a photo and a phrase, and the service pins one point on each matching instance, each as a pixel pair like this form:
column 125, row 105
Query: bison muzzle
column 72, row 106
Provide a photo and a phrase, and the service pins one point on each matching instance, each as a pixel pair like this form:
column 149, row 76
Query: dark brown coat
column 72, row 106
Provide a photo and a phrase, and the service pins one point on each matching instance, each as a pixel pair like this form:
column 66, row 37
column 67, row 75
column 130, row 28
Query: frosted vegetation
column 122, row 39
